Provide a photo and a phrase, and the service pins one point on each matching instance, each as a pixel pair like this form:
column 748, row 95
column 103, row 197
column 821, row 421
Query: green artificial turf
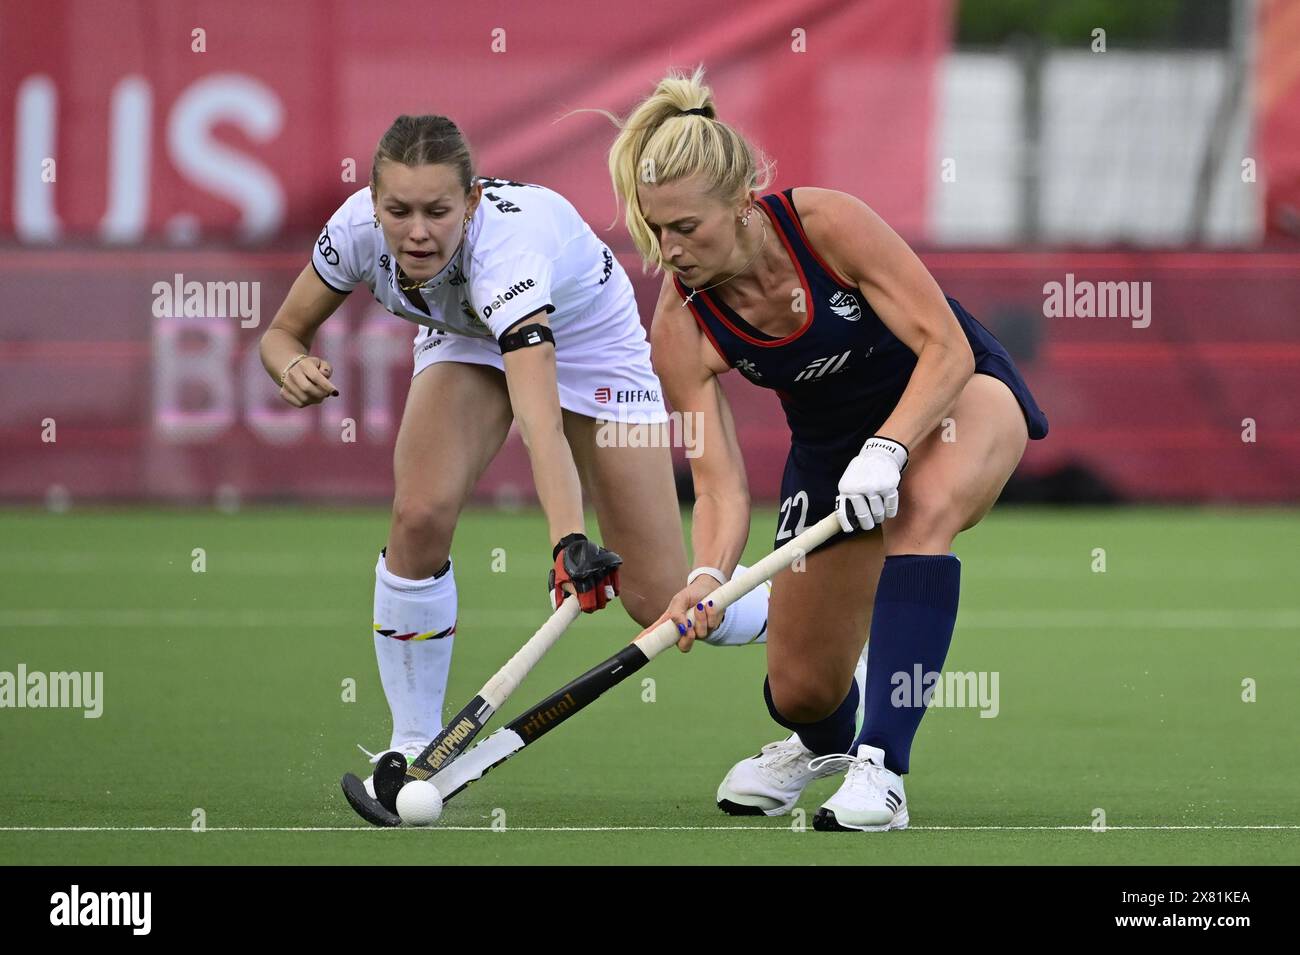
column 224, row 691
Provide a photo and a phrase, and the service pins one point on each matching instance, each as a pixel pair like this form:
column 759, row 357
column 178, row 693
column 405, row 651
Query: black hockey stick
column 391, row 772
column 536, row 722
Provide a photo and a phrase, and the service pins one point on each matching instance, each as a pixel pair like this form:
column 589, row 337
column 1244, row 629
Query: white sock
column 745, row 620
column 860, row 678
column 414, row 670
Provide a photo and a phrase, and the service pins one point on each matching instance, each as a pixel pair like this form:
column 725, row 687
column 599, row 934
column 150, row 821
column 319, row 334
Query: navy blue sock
column 830, row 734
column 911, row 628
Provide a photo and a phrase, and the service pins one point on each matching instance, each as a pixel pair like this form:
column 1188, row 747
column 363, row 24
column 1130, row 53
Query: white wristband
column 713, row 572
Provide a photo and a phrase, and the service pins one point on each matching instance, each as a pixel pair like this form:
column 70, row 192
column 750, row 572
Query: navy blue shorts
column 993, row 360
column 810, row 483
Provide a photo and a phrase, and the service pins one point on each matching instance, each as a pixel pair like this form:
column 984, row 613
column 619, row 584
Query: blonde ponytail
column 672, row 134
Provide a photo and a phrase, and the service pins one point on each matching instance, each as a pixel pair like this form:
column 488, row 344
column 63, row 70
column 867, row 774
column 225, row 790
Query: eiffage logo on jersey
column 605, row 395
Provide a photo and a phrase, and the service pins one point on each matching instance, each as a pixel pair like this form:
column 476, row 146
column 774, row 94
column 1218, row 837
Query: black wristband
column 565, row 541
column 525, row 337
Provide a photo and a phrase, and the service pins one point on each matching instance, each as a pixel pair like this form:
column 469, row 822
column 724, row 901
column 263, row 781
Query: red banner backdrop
column 146, row 144
column 1191, row 398
column 183, row 120
column 1195, row 400
column 1277, row 95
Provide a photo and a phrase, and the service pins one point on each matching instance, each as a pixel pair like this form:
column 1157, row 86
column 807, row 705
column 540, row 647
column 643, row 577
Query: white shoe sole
column 826, row 821
column 734, row 804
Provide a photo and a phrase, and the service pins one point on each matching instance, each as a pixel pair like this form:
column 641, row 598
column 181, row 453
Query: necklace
column 414, row 286
column 419, row 285
column 761, row 243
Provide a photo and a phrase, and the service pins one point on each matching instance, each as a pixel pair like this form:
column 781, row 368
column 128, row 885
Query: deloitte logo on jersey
column 519, row 288
column 845, row 306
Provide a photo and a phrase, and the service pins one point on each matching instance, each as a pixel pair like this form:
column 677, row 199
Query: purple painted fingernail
column 710, row 603
column 681, row 630
column 701, row 606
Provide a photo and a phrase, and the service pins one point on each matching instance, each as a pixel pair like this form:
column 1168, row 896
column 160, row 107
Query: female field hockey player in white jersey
column 523, row 313
column 809, row 293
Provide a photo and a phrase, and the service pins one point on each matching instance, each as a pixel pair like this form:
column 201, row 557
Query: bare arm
column 309, row 303
column 534, row 395
column 859, row 245
column 688, row 367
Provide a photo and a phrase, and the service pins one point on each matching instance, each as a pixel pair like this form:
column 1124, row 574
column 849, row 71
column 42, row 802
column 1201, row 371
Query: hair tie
column 697, row 111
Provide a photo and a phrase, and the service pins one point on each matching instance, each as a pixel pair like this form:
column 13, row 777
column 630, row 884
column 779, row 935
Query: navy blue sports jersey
column 839, row 375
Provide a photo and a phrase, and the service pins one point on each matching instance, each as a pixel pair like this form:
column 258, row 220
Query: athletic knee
column 422, row 531
column 640, row 607
column 925, row 524
column 644, row 599
column 799, row 698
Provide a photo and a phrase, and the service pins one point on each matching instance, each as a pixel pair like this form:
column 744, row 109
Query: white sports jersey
column 525, row 249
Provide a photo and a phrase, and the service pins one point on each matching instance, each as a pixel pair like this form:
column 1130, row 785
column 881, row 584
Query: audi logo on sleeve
column 326, row 247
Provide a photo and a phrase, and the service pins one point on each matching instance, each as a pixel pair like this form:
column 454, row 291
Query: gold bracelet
column 289, row 367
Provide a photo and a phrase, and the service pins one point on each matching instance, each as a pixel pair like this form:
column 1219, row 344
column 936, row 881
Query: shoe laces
column 784, row 757
column 860, row 769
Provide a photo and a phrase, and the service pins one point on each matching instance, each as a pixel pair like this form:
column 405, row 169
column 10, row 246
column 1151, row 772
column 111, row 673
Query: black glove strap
column 565, row 541
column 586, row 562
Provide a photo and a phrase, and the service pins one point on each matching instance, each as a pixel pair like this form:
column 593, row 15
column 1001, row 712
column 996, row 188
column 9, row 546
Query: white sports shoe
column 409, row 750
column 871, row 798
column 770, row 782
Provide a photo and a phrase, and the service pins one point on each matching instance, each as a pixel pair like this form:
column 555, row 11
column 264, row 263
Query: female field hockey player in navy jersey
column 809, row 293
column 521, row 314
